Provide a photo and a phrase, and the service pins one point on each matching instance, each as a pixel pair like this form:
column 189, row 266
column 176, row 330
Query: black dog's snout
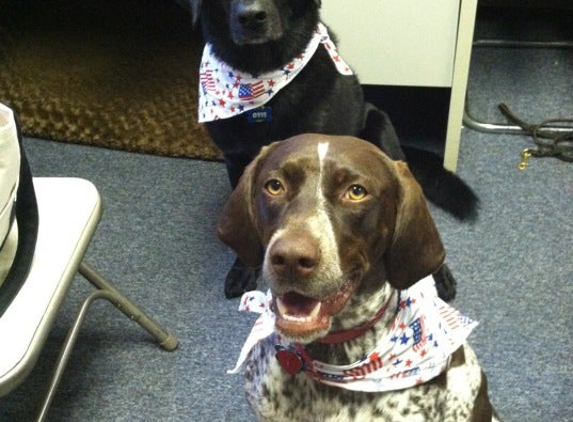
column 294, row 257
column 252, row 15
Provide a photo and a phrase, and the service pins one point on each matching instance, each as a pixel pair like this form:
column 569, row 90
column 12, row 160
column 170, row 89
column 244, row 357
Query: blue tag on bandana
column 260, row 115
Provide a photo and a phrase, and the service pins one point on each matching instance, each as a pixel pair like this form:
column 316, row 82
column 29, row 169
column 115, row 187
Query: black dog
column 252, row 47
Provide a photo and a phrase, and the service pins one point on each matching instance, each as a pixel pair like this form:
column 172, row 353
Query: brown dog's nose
column 294, row 256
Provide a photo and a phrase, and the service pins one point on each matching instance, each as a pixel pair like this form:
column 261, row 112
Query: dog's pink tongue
column 299, row 316
column 296, row 306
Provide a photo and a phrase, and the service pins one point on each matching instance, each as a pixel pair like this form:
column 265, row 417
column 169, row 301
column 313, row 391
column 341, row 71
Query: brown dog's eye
column 274, row 187
column 356, row 193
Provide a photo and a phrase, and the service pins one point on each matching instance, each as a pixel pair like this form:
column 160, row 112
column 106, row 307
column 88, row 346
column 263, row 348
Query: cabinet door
column 396, row 42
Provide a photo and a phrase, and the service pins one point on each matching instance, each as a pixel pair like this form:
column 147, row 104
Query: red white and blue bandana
column 225, row 92
column 424, row 334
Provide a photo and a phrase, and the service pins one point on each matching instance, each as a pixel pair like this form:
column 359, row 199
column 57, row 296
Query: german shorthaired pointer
column 351, row 328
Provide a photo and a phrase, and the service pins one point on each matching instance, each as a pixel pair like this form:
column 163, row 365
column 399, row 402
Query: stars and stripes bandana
column 424, row 334
column 226, row 92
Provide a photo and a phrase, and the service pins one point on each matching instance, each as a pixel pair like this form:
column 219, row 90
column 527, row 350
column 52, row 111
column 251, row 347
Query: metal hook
column 526, row 153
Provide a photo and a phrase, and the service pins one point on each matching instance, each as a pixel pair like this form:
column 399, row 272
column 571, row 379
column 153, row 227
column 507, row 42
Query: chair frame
column 105, row 291
column 488, row 127
column 23, row 363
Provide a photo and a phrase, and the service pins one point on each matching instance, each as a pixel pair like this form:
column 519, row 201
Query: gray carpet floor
column 157, row 242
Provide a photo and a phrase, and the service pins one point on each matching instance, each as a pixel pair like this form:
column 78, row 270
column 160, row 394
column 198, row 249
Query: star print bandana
column 424, row 334
column 225, row 92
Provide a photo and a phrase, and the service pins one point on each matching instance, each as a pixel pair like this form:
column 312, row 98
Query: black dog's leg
column 378, row 130
column 445, row 283
column 240, row 279
column 236, row 165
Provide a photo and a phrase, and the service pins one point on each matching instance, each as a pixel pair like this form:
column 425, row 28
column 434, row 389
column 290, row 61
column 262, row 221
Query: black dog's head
column 329, row 218
column 251, row 28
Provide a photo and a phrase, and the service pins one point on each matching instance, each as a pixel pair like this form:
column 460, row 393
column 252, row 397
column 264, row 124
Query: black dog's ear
column 318, row 3
column 416, row 250
column 238, row 225
column 195, row 7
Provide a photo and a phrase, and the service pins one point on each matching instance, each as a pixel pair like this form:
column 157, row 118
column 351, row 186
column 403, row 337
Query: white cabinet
column 413, row 43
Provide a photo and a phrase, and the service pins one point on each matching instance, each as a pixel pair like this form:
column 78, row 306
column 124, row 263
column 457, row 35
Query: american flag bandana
column 225, row 92
column 424, row 334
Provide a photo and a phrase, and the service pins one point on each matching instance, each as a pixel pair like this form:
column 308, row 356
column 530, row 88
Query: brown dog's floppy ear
column 238, row 223
column 416, row 250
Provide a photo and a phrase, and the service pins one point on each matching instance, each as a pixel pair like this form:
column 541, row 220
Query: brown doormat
column 119, row 74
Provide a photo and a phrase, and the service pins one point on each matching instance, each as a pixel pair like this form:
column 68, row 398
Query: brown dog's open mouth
column 299, row 316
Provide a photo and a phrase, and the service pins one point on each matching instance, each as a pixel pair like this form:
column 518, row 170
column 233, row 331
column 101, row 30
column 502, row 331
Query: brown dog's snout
column 294, row 257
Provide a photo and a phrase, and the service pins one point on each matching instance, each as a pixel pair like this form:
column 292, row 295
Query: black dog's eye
column 356, row 193
column 274, row 187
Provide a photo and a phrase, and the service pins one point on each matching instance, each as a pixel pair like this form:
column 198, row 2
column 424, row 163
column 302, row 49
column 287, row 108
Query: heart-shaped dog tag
column 291, row 361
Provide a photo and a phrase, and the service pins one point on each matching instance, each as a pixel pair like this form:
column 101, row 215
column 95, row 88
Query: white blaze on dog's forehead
column 322, row 150
column 320, row 223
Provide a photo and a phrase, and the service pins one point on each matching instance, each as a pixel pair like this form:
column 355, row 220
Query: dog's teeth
column 296, row 319
column 316, row 310
column 281, row 306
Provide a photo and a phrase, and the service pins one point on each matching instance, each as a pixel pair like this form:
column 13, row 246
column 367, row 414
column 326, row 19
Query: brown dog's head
column 328, row 218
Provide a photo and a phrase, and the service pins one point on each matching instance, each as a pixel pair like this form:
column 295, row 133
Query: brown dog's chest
column 278, row 397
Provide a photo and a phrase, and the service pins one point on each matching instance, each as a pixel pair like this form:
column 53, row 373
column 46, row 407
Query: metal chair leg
column 472, row 123
column 105, row 291
column 67, row 348
column 165, row 339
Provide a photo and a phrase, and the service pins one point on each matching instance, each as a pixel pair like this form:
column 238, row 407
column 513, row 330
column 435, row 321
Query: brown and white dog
column 344, row 235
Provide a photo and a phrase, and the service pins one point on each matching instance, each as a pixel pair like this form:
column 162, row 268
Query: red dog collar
column 347, row 335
